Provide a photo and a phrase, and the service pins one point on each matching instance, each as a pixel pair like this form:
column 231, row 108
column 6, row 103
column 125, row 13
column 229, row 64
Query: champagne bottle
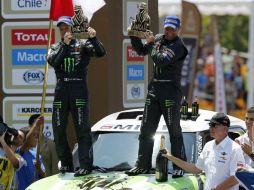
column 161, row 171
column 194, row 108
column 184, row 109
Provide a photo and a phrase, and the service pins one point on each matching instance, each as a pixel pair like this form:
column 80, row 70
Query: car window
column 121, row 149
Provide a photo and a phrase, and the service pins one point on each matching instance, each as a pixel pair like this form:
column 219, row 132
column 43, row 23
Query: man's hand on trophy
column 67, row 38
column 91, row 32
column 149, row 37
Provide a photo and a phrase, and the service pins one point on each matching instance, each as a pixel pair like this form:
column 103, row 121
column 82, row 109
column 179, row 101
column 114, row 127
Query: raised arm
column 38, row 122
column 168, row 55
column 56, row 53
column 9, row 152
column 93, row 47
column 138, row 46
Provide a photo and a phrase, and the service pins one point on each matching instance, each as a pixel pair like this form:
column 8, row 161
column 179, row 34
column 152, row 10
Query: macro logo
column 31, row 36
column 29, row 56
column 132, row 55
column 33, row 76
column 135, row 72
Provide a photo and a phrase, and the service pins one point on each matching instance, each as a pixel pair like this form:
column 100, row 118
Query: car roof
column 130, row 121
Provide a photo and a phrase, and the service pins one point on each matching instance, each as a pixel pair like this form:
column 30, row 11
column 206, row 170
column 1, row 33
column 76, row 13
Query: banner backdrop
column 191, row 28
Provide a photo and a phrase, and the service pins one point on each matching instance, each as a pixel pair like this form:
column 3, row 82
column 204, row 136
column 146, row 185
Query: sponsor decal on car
column 114, row 183
column 127, row 127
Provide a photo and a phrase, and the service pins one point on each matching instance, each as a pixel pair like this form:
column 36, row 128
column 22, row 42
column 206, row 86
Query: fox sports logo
column 135, row 91
column 33, row 76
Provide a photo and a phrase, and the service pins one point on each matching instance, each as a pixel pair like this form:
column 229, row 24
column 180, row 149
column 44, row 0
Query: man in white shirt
column 246, row 141
column 219, row 158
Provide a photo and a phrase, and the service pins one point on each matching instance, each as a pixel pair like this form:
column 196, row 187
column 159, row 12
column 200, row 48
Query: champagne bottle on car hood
column 161, row 171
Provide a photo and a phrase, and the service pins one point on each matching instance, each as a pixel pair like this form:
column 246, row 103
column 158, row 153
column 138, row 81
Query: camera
column 10, row 134
column 3, row 128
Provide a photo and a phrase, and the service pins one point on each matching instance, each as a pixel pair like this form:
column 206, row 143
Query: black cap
column 220, row 118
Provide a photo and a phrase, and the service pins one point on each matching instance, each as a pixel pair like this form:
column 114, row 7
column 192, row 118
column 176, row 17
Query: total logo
column 31, row 37
column 33, row 76
column 132, row 55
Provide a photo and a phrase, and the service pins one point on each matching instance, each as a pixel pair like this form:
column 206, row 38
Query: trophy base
column 136, row 33
column 80, row 35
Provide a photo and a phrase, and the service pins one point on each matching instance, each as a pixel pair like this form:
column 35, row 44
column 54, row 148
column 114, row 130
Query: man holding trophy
column 164, row 91
column 70, row 58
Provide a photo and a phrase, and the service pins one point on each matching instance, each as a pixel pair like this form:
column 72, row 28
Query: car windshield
column 120, row 150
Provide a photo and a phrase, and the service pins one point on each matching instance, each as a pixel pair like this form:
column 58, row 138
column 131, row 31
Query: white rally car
column 116, row 148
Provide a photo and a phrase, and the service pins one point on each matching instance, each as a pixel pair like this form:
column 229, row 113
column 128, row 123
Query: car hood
column 116, row 181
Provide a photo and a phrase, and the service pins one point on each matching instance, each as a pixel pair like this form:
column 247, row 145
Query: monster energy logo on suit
column 184, row 109
column 169, row 103
column 69, row 64
column 80, row 102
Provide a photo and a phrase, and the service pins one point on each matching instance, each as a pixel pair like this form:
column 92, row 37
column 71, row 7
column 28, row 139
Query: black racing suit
column 71, row 94
column 164, row 96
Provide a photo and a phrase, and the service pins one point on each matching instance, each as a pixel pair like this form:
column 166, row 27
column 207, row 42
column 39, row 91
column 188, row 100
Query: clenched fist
column 67, row 38
column 91, row 32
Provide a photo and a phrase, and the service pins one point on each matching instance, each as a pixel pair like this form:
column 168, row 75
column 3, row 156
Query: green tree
column 233, row 31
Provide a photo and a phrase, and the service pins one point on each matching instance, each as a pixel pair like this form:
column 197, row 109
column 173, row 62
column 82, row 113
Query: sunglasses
column 213, row 125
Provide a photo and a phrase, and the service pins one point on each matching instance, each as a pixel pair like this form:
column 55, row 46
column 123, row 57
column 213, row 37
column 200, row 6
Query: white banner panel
column 17, row 110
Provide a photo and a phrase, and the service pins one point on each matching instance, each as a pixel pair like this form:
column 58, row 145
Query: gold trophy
column 80, row 24
column 141, row 25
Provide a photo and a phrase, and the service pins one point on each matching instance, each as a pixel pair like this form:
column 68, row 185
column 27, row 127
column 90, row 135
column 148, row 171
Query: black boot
column 82, row 172
column 64, row 169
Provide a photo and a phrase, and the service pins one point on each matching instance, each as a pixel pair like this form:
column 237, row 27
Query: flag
column 60, row 8
column 66, row 8
column 89, row 7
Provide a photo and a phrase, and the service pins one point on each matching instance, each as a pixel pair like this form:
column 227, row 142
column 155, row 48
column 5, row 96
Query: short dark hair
column 250, row 110
column 32, row 119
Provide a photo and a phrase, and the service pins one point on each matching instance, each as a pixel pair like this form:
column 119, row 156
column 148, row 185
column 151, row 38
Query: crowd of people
column 18, row 150
column 235, row 77
column 70, row 58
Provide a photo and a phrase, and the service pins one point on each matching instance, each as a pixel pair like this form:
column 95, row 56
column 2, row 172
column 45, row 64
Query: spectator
column 209, row 64
column 28, row 152
column 9, row 161
column 201, row 81
column 219, row 158
column 47, row 152
column 246, row 141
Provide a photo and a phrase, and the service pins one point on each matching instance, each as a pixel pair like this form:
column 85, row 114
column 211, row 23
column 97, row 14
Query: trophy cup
column 141, row 25
column 80, row 24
